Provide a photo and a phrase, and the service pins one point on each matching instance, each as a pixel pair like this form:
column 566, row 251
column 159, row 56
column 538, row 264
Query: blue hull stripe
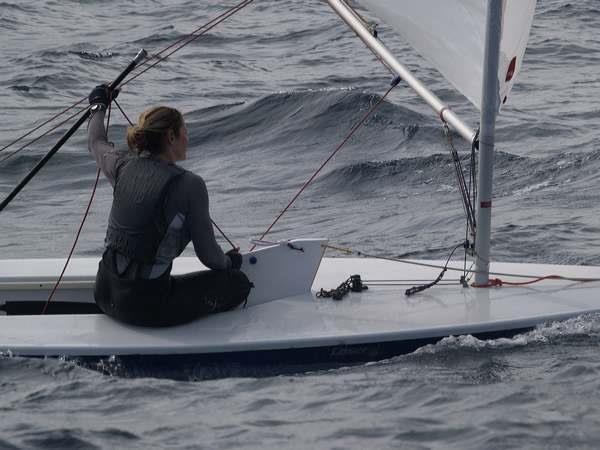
column 259, row 363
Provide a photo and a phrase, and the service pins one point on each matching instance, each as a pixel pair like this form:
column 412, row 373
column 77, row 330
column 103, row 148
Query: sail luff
column 441, row 108
column 490, row 102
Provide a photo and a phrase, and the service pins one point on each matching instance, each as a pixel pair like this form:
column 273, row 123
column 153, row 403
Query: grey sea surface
column 267, row 96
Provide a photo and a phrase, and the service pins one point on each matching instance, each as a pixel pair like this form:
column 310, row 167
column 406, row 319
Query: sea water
column 267, row 96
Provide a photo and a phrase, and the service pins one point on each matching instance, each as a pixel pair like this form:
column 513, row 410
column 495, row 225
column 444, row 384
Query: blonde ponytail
column 150, row 133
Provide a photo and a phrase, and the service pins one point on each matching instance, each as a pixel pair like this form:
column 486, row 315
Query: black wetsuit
column 149, row 226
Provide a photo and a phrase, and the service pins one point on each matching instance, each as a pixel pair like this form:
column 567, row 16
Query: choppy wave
column 297, row 117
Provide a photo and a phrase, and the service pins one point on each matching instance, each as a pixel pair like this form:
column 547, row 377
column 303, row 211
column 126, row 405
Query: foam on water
column 584, row 327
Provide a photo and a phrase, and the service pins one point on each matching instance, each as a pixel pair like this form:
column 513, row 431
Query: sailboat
column 287, row 321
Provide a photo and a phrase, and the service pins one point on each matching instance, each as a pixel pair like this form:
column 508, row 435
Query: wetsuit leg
column 169, row 300
column 200, row 293
column 137, row 302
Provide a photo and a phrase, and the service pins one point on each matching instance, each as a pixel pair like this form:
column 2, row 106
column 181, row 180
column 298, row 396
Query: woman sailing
column 158, row 208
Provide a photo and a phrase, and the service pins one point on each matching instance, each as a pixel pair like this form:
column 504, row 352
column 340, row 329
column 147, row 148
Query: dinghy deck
column 381, row 314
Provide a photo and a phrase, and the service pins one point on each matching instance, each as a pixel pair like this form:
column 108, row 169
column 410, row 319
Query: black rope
column 352, row 284
column 413, row 290
column 468, row 195
column 462, row 184
column 472, row 191
column 122, row 112
column 473, row 171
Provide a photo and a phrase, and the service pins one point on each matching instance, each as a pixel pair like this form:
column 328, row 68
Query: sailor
column 157, row 209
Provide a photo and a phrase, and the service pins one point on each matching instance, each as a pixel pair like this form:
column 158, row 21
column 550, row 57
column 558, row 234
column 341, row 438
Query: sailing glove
column 236, row 258
column 101, row 94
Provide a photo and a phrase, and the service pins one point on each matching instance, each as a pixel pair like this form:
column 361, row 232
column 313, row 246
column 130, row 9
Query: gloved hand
column 235, row 257
column 101, row 94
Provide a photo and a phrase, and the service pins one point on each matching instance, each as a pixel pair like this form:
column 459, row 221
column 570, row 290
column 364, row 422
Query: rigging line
column 197, row 30
column 218, row 18
column 191, row 39
column 468, row 273
column 42, row 162
column 465, row 193
column 123, row 112
column 498, row 282
column 468, row 207
column 410, row 283
column 456, row 269
column 224, row 235
column 10, row 155
column 473, row 171
column 416, row 289
column 85, row 214
column 87, row 210
column 467, row 249
column 473, row 197
column 473, row 177
column 456, row 280
column 64, row 111
column 339, row 147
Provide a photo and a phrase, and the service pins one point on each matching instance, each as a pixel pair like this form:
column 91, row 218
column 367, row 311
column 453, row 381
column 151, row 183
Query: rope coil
column 352, row 284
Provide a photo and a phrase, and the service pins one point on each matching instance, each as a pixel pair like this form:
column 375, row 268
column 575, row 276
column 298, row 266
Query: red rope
column 497, row 282
column 87, row 210
column 314, row 175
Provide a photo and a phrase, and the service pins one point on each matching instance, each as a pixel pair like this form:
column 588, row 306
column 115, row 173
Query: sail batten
column 451, row 35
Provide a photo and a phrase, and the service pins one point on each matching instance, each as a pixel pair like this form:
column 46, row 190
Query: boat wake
column 582, row 327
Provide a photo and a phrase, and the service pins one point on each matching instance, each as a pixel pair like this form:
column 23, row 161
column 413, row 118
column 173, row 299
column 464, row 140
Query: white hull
column 346, row 330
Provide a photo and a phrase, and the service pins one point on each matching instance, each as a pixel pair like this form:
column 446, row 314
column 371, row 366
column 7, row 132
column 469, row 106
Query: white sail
column 451, row 34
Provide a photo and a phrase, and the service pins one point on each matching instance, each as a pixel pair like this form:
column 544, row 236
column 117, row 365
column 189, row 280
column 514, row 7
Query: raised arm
column 102, row 150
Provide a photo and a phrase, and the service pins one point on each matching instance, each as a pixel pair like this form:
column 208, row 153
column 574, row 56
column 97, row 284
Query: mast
column 381, row 51
column 490, row 102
